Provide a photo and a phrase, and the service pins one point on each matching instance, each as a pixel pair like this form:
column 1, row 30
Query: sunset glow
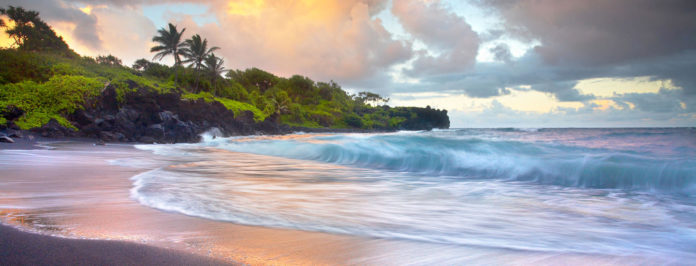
column 409, row 47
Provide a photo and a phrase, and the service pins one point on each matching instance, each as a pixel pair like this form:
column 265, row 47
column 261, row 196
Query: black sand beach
column 73, row 191
column 21, row 248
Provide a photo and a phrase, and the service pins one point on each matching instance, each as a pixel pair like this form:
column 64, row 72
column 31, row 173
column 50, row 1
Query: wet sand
column 74, row 192
column 21, row 248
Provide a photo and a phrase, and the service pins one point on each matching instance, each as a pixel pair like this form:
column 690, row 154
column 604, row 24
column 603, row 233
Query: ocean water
column 613, row 192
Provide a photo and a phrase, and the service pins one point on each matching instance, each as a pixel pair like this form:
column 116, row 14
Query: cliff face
column 147, row 116
column 144, row 115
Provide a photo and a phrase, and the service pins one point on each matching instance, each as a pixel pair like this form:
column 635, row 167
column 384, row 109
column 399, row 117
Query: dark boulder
column 109, row 118
column 11, row 112
column 112, row 136
column 82, row 117
column 167, row 117
column 146, row 139
column 12, row 133
column 108, row 100
column 53, row 129
column 108, row 136
column 128, row 114
column 6, row 139
column 246, row 117
column 156, row 131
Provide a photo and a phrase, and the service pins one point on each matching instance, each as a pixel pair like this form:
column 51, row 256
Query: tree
column 196, row 51
column 214, row 66
column 30, row 33
column 141, row 64
column 369, row 97
column 109, row 60
column 169, row 44
column 254, row 77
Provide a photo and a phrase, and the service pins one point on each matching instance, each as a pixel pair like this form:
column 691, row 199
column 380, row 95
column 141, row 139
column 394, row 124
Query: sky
column 490, row 63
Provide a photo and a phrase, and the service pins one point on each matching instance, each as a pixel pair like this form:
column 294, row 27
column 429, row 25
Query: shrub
column 59, row 96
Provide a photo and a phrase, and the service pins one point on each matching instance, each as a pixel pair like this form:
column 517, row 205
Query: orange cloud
column 5, row 40
column 339, row 40
column 604, row 104
column 323, row 39
column 245, row 8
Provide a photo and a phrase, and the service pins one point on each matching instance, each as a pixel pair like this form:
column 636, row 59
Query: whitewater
column 615, row 192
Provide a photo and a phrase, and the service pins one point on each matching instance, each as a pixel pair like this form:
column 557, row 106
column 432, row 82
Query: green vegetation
column 30, row 33
column 43, row 77
column 61, row 95
column 235, row 106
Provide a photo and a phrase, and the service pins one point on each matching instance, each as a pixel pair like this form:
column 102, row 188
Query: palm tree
column 169, row 44
column 214, row 66
column 196, row 51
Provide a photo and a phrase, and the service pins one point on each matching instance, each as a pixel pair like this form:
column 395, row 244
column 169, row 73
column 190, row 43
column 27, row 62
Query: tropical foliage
column 47, row 82
column 196, row 51
column 30, row 33
column 169, row 43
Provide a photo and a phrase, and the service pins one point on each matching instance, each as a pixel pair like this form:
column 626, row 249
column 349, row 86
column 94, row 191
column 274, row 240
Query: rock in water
column 6, row 139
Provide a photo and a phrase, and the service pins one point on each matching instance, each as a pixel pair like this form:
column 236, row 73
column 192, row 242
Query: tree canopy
column 30, row 33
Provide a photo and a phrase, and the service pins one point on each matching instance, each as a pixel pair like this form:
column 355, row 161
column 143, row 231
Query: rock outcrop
column 150, row 117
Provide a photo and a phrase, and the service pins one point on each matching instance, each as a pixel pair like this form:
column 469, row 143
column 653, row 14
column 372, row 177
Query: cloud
column 563, row 91
column 444, row 32
column 83, row 26
column 665, row 101
column 501, row 52
column 424, row 47
column 129, row 44
column 599, row 32
column 498, row 114
column 325, row 40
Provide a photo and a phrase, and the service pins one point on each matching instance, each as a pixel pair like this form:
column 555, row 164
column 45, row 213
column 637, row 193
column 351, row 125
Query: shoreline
column 72, row 191
column 24, row 248
column 31, row 140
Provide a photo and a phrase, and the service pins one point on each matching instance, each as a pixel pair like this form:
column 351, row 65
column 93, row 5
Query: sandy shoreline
column 22, row 248
column 73, row 191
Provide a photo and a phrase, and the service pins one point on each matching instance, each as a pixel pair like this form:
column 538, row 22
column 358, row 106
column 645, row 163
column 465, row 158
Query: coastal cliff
column 48, row 89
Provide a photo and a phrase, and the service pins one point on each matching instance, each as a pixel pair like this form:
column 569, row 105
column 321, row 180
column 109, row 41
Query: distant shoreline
column 31, row 140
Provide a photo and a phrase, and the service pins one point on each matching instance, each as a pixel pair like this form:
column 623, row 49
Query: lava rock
column 53, row 129
column 6, row 139
column 146, row 139
column 156, row 131
column 11, row 112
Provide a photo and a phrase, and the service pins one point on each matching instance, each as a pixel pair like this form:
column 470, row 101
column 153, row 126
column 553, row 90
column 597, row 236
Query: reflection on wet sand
column 73, row 192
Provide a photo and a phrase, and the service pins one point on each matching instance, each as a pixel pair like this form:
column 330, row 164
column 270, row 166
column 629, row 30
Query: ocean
column 605, row 192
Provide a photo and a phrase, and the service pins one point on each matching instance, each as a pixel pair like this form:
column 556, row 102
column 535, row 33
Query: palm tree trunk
column 197, row 74
column 176, row 75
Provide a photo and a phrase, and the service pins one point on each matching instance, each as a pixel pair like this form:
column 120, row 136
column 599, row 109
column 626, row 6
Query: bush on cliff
column 60, row 96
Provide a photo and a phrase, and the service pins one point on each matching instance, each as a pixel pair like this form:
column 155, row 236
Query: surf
column 527, row 190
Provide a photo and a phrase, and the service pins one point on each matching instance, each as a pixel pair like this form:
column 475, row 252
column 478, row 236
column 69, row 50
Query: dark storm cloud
column 581, row 40
column 599, row 32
